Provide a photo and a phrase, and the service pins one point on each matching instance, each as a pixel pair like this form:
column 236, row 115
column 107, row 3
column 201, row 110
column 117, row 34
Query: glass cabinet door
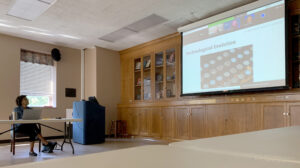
column 170, row 73
column 147, row 77
column 159, row 75
column 137, row 79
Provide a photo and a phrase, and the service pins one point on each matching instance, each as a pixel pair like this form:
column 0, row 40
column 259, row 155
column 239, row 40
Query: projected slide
column 241, row 52
column 227, row 68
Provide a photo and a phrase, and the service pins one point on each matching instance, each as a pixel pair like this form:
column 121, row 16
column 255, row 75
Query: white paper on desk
column 69, row 113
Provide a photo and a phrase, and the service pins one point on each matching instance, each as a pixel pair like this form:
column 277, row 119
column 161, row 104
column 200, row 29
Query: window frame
column 53, row 96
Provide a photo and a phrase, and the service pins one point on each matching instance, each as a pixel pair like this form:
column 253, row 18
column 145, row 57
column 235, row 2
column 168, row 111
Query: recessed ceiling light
column 6, row 25
column 40, row 33
column 69, row 36
column 30, row 9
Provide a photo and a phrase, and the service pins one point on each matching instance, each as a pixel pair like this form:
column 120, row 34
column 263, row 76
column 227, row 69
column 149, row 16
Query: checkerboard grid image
column 227, row 68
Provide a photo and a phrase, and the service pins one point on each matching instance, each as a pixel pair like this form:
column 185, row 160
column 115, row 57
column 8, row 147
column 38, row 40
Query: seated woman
column 30, row 129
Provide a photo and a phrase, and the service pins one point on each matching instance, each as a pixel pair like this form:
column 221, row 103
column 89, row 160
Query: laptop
column 32, row 114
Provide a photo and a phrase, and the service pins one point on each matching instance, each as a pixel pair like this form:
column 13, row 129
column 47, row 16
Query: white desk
column 41, row 121
column 156, row 156
column 66, row 131
column 188, row 154
column 273, row 144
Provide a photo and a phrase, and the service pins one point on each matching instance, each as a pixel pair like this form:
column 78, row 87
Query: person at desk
column 30, row 129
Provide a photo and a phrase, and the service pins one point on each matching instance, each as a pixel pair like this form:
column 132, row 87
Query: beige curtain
column 36, row 58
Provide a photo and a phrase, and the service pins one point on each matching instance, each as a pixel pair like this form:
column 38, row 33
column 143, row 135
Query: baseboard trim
column 27, row 139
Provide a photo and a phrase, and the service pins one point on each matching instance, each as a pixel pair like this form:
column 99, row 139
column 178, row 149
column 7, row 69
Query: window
column 38, row 79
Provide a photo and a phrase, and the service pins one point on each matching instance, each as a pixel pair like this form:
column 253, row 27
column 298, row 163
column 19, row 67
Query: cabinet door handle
column 284, row 114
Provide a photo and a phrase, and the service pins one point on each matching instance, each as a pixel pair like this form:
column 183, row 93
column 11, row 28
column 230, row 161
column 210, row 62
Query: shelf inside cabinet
column 172, row 80
column 171, row 64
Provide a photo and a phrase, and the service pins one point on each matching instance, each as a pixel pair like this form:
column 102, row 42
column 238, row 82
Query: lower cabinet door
column 182, row 117
column 144, row 114
column 198, row 122
column 133, row 121
column 155, row 124
column 167, row 122
column 273, row 116
column 215, row 120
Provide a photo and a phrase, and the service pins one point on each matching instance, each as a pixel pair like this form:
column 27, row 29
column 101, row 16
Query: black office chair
column 16, row 135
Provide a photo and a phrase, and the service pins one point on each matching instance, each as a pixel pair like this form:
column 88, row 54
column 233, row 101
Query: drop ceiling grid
column 95, row 18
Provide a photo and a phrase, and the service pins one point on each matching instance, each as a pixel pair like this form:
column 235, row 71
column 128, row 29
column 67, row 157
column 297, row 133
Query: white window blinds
column 36, row 79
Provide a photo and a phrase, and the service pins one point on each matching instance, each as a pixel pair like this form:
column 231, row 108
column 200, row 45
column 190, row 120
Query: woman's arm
column 19, row 113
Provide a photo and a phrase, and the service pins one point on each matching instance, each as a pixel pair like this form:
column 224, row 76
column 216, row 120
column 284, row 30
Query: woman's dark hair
column 19, row 100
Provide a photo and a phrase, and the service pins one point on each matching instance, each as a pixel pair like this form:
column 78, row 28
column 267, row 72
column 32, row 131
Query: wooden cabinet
column 194, row 122
column 293, row 114
column 137, row 79
column 123, row 114
column 167, row 123
column 155, row 75
column 133, row 121
column 170, row 80
column 155, row 122
column 235, row 118
column 215, row 120
column 273, row 115
column 144, row 121
column 254, row 116
column 198, row 122
column 182, row 119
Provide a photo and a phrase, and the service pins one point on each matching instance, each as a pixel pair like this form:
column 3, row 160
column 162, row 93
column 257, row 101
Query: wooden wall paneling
column 293, row 114
column 155, row 123
column 182, row 117
column 127, row 79
column 122, row 114
column 254, row 119
column 235, row 118
column 273, row 115
column 198, row 122
column 144, row 119
column 133, row 121
column 215, row 120
column 167, row 122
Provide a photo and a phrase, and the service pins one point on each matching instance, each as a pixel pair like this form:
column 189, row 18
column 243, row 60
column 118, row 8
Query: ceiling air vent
column 146, row 23
column 29, row 9
column 117, row 35
column 138, row 26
